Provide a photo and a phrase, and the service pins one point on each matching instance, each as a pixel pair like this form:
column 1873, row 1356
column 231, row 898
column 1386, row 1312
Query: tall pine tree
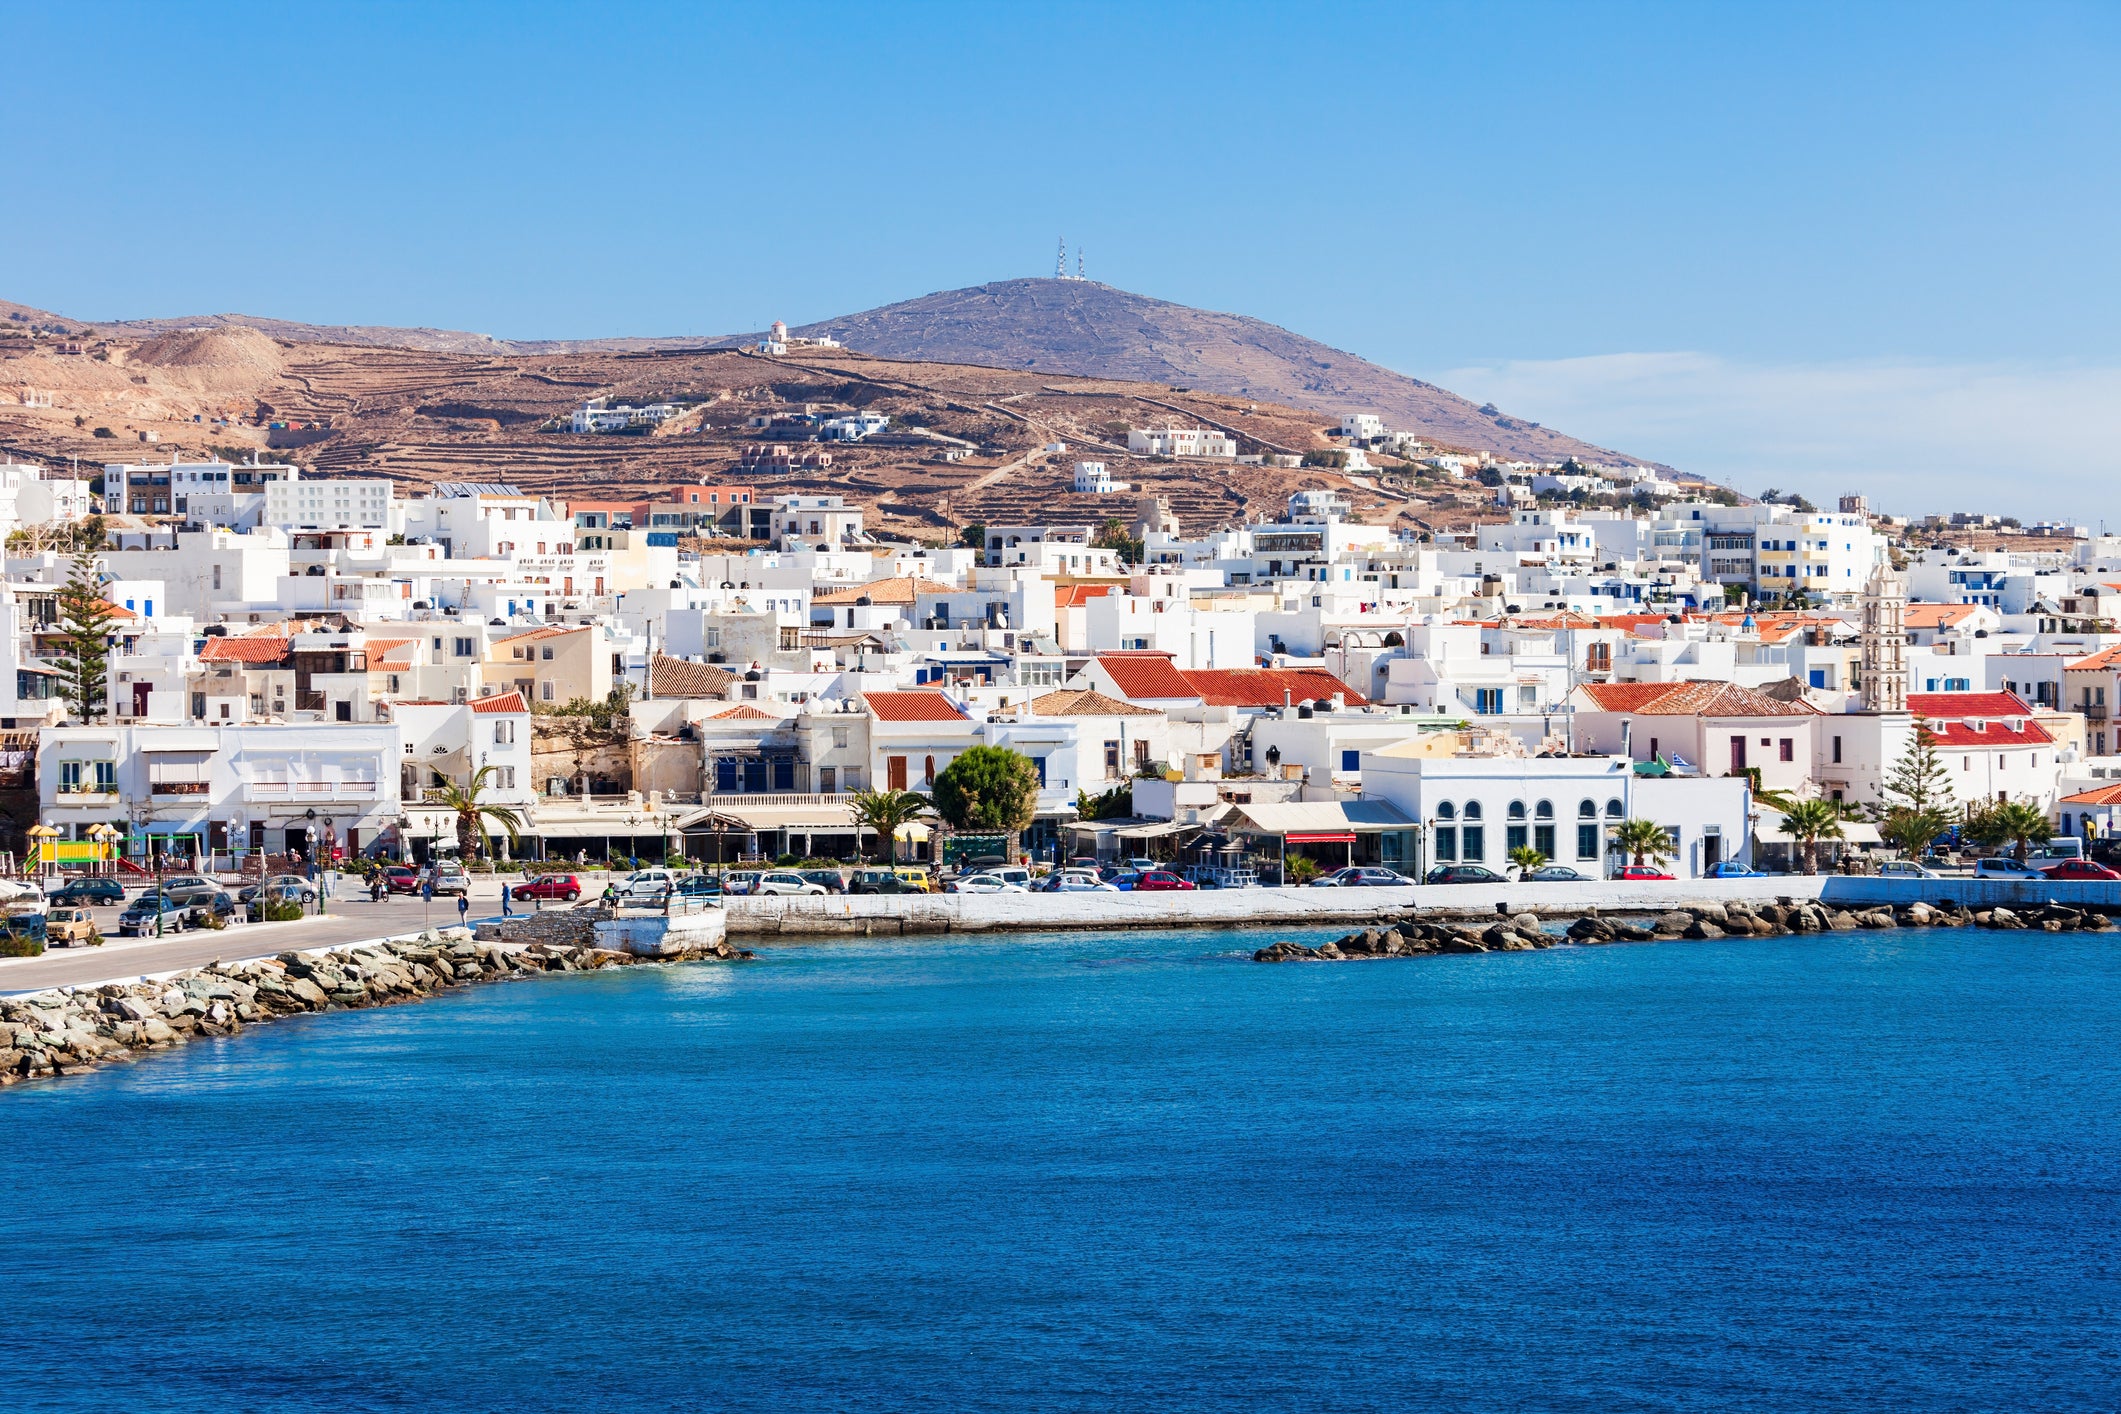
column 1918, row 796
column 85, row 617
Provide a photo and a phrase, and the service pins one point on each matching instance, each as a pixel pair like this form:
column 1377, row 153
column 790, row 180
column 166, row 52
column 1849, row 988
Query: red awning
column 1320, row 837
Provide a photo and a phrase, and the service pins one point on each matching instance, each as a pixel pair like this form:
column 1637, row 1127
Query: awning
column 1321, row 837
column 1852, row 832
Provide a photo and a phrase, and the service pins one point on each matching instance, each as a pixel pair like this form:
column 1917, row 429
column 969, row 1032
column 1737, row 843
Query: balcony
column 86, row 796
column 2093, row 711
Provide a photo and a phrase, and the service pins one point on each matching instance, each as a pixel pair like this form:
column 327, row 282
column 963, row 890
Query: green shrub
column 13, row 944
column 278, row 911
column 211, row 921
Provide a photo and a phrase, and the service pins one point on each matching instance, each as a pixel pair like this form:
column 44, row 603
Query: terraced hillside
column 965, row 443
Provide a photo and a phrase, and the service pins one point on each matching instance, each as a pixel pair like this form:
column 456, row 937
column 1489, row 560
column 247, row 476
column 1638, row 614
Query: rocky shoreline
column 1412, row 936
column 69, row 1030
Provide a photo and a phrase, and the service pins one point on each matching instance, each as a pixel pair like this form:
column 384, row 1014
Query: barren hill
column 1075, row 327
column 1095, row 331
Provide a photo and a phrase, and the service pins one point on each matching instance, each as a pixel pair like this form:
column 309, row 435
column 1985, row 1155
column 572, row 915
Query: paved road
column 349, row 920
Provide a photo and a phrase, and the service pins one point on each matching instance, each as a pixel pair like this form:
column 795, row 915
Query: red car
column 402, row 879
column 1641, row 871
column 1160, row 881
column 2080, row 869
column 549, row 886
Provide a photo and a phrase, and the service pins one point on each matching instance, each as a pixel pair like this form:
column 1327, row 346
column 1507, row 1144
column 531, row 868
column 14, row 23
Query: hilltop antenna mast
column 1079, row 261
column 1060, row 261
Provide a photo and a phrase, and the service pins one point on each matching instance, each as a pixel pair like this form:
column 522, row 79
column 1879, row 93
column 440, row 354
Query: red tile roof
column 1987, row 732
column 1086, row 702
column 743, row 712
column 2098, row 795
column 1690, row 699
column 912, row 707
column 500, row 702
column 1936, row 615
column 1268, row 687
column 243, row 650
column 1147, row 677
column 885, row 591
column 1074, row 596
column 2102, row 661
column 1968, row 704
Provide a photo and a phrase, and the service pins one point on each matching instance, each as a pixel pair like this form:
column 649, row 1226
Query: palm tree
column 2013, row 822
column 886, row 812
column 1644, row 840
column 474, row 814
column 1810, row 821
column 1526, row 858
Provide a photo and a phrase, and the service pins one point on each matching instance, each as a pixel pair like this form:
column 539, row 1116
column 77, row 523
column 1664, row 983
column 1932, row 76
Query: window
column 106, row 776
column 545, row 653
column 1516, row 811
column 1475, row 842
column 1586, row 810
column 714, row 638
column 70, row 776
column 828, row 780
column 1837, row 751
column 1446, row 844
column 839, row 738
column 504, row 777
column 1487, row 701
column 1786, row 749
column 895, row 769
column 928, row 771
column 1473, row 810
column 1349, row 760
column 1111, row 759
column 466, row 647
column 504, row 733
column 1141, row 755
column 217, row 576
column 1514, row 838
column 1613, row 810
column 545, row 690
column 1586, row 841
column 1544, row 810
column 1543, row 839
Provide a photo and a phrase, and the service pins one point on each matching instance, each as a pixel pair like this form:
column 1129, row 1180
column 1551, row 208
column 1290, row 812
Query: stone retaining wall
column 869, row 914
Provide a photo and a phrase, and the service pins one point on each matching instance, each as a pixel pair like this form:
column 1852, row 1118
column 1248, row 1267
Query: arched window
column 1472, row 810
column 1543, row 811
column 1446, row 811
column 1613, row 810
column 1516, row 810
column 1588, row 810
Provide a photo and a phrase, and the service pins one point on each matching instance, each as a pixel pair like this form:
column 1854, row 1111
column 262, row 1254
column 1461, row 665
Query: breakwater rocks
column 1411, row 936
column 64, row 1031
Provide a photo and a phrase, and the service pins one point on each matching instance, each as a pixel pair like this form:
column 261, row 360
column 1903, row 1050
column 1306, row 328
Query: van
column 2058, row 849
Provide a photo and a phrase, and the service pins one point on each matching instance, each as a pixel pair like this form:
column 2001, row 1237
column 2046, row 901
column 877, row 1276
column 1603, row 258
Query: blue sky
column 1831, row 247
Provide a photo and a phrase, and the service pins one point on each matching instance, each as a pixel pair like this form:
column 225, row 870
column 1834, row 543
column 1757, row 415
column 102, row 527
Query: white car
column 647, row 883
column 786, row 881
column 1906, row 869
column 1079, row 881
column 2006, row 868
column 13, row 889
column 986, row 884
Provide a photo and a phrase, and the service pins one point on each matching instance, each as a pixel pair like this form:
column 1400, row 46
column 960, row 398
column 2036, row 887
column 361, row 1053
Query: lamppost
column 141, row 814
column 324, row 884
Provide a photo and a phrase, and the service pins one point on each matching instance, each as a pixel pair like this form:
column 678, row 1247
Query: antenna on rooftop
column 1060, row 261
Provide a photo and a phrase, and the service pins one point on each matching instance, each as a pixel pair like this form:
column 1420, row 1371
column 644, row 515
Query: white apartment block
column 338, row 504
column 1180, row 442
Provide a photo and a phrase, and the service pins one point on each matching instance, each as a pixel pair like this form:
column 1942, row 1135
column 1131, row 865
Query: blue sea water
column 1865, row 1171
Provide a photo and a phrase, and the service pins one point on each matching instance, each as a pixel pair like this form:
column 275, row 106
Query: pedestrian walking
column 463, row 908
column 504, row 899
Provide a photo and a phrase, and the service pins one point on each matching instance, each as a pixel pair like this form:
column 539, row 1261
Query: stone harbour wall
column 1417, row 936
column 69, row 1030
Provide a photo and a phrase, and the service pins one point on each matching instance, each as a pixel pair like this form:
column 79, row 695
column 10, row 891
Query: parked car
column 1555, row 874
column 2080, row 869
column 564, row 887
column 218, row 903
column 13, row 890
column 151, row 913
column 1727, row 869
column 740, row 881
column 2006, row 868
column 186, row 887
column 699, row 886
column 1906, row 869
column 1363, row 876
column 449, row 879
column 289, row 888
column 1463, row 874
column 1161, row 881
column 1124, row 880
column 89, row 891
column 1138, row 864
column 832, row 881
column 985, row 884
column 1641, row 872
column 786, row 881
column 646, row 884
column 274, row 893
column 70, row 926
column 1074, row 881
column 401, row 878
column 885, row 881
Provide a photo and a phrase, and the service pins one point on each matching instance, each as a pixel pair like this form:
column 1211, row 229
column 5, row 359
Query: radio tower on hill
column 1060, row 261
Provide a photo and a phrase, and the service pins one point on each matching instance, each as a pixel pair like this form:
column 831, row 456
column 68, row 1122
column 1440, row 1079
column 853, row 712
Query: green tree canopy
column 2013, row 822
column 887, row 812
column 84, row 628
column 1644, row 840
column 1810, row 821
column 476, row 814
column 988, row 790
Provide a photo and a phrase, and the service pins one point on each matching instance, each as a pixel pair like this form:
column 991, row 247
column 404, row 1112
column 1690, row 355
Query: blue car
column 1732, row 869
